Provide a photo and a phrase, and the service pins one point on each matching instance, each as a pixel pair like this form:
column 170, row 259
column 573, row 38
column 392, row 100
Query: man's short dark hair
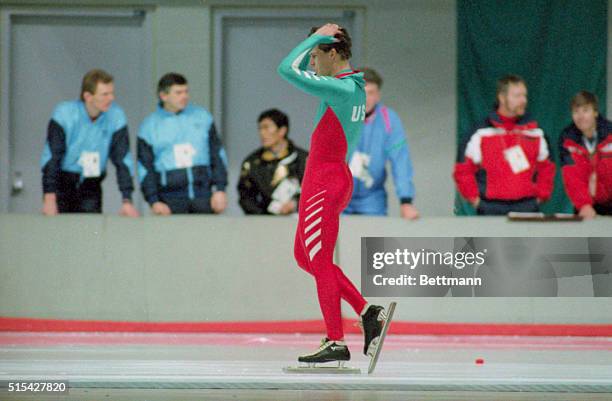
column 169, row 79
column 584, row 98
column 504, row 82
column 371, row 76
column 279, row 118
column 343, row 46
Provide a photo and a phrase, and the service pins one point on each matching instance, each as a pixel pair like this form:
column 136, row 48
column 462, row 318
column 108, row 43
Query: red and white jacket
column 587, row 176
column 505, row 159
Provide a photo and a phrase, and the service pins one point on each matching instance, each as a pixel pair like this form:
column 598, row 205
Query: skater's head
column 273, row 127
column 173, row 92
column 97, row 91
column 329, row 59
column 372, row 88
column 511, row 96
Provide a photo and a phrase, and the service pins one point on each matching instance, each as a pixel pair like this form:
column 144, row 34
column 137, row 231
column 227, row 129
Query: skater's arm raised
column 294, row 69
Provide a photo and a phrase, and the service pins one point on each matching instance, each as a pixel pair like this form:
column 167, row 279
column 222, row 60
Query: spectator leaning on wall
column 82, row 135
column 181, row 161
column 504, row 164
column 585, row 147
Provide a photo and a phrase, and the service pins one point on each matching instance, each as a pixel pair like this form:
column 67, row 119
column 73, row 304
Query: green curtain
column 558, row 46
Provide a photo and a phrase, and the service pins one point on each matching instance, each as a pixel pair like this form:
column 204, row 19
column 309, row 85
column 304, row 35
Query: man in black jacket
column 270, row 177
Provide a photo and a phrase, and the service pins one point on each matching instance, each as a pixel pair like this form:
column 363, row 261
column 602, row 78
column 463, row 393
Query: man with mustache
column 504, row 165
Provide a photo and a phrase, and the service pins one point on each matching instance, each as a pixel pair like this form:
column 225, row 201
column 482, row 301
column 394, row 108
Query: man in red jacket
column 504, row 164
column 585, row 147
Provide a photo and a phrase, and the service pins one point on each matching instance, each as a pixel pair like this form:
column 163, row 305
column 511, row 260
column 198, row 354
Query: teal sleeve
column 293, row 68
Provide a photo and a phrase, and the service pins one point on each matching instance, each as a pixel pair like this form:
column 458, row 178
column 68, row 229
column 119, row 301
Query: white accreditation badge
column 90, row 162
column 183, row 155
column 515, row 156
column 286, row 190
column 359, row 168
column 283, row 193
column 275, row 207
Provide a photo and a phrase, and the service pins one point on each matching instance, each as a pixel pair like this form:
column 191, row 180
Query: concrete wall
column 215, row 268
column 151, row 269
column 183, row 43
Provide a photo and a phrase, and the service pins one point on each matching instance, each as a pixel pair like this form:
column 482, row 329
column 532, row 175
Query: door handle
column 18, row 184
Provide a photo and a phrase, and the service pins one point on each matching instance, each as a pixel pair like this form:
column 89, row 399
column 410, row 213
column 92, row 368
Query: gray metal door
column 48, row 56
column 252, row 46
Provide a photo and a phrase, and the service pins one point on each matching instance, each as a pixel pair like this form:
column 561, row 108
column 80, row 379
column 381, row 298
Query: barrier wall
column 218, row 269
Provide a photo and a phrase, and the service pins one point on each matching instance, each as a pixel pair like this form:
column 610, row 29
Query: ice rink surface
column 168, row 367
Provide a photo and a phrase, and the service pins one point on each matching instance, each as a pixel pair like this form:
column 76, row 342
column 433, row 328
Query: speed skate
column 330, row 352
column 339, row 369
column 377, row 344
column 331, row 356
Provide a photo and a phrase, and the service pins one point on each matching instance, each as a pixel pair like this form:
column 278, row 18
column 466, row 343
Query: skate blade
column 336, row 370
column 382, row 317
column 373, row 346
column 381, row 339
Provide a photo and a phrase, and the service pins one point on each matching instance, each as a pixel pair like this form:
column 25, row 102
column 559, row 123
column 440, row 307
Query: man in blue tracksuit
column 181, row 161
column 82, row 135
column 383, row 139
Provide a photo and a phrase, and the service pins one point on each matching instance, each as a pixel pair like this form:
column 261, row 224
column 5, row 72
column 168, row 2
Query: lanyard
column 590, row 145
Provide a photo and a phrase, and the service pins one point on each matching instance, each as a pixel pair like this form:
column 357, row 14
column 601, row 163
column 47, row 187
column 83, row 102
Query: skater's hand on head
column 409, row 212
column 50, row 205
column 329, row 30
column 128, row 210
column 218, row 202
column 161, row 209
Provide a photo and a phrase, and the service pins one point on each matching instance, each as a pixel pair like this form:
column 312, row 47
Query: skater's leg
column 318, row 226
column 329, row 350
column 299, row 253
column 329, row 301
column 349, row 292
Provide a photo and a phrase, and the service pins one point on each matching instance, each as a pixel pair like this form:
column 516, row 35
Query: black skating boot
column 329, row 351
column 372, row 323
